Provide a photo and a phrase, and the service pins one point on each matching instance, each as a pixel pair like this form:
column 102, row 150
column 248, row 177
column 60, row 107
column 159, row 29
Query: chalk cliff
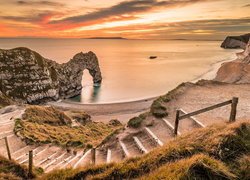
column 232, row 42
column 237, row 71
column 28, row 77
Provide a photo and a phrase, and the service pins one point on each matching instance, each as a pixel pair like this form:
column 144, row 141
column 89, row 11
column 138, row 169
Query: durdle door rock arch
column 27, row 77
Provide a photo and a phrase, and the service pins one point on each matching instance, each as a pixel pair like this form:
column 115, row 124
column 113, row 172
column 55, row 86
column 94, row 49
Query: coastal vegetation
column 42, row 125
column 136, row 122
column 13, row 171
column 216, row 152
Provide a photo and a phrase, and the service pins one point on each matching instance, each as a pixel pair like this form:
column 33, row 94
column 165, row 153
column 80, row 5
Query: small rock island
column 27, row 77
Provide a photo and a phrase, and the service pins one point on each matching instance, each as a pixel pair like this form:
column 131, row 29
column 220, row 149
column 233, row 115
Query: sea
column 128, row 72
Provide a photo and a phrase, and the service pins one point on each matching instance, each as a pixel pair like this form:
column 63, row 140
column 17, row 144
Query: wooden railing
column 233, row 102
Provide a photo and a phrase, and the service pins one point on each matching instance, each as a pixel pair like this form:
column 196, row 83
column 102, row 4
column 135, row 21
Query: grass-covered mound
column 42, row 125
column 214, row 152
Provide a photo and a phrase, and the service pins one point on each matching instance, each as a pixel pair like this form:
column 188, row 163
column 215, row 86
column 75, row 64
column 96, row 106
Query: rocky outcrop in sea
column 27, row 77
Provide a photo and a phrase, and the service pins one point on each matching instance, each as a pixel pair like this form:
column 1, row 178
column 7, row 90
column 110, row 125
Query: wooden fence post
column 7, row 147
column 30, row 163
column 233, row 109
column 176, row 122
column 93, row 157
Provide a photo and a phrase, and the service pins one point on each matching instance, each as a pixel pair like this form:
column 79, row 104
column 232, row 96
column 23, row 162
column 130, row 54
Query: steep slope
column 26, row 76
column 213, row 152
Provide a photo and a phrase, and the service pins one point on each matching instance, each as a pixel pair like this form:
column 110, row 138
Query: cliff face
column 237, row 71
column 26, row 76
column 232, row 42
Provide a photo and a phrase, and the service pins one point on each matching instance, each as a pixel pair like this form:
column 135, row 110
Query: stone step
column 147, row 141
column 35, row 154
column 15, row 143
column 139, row 144
column 124, row 149
column 109, row 156
column 64, row 161
column 6, row 133
column 46, row 154
column 117, row 153
column 153, row 136
column 83, row 159
column 47, row 159
column 170, row 125
column 197, row 122
column 72, row 161
column 101, row 156
column 56, row 162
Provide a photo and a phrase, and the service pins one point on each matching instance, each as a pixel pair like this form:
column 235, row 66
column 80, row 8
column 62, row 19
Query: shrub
column 135, row 122
column 81, row 117
column 158, row 110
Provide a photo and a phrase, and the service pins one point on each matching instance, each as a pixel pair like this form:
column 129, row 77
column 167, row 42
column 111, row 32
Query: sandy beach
column 104, row 112
column 123, row 111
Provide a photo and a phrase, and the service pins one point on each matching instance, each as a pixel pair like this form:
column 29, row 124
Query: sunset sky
column 140, row 19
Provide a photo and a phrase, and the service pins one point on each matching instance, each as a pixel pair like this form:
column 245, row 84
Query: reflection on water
column 93, row 96
column 95, row 93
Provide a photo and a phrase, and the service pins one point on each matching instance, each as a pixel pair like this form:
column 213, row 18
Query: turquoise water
column 128, row 73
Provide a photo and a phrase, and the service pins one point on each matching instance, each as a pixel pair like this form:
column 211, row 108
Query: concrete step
column 101, row 156
column 15, row 143
column 153, row 136
column 170, row 126
column 6, row 133
column 196, row 122
column 162, row 131
column 56, row 162
column 36, row 152
column 132, row 147
column 72, row 161
column 140, row 146
column 147, row 141
column 83, row 160
column 46, row 154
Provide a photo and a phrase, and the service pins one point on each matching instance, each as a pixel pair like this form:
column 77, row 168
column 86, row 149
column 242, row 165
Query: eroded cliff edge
column 237, row 71
column 27, row 77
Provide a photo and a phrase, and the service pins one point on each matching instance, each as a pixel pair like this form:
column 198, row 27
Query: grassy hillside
column 11, row 170
column 42, row 125
column 217, row 152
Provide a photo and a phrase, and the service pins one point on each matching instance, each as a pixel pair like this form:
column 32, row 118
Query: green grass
column 209, row 152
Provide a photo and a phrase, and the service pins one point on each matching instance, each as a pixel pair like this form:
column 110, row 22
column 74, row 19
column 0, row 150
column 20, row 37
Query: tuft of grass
column 199, row 166
column 242, row 167
column 12, row 170
column 48, row 115
column 204, row 152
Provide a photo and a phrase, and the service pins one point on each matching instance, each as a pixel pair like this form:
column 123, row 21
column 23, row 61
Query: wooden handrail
column 233, row 102
column 205, row 109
